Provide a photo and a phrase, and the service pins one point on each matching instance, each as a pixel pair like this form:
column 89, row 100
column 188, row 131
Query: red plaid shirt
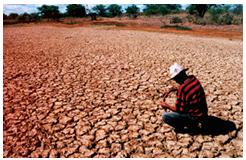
column 191, row 98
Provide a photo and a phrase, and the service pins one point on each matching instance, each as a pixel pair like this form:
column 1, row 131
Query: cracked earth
column 91, row 92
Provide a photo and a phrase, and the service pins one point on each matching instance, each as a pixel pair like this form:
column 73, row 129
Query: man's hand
column 164, row 105
column 167, row 106
column 173, row 88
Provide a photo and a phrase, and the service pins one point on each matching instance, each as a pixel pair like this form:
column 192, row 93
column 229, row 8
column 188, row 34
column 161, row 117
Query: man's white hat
column 175, row 69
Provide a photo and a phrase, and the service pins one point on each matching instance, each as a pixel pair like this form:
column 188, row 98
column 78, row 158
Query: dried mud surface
column 88, row 92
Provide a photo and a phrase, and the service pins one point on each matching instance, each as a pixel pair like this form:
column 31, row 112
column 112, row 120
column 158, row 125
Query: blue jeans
column 180, row 120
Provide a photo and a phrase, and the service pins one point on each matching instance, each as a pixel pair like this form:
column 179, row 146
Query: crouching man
column 191, row 106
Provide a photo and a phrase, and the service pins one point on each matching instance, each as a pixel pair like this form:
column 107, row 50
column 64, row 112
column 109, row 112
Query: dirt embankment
column 92, row 92
column 153, row 24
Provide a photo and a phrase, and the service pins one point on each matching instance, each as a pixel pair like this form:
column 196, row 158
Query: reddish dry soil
column 95, row 92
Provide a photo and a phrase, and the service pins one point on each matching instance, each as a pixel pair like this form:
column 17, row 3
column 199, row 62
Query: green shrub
column 237, row 20
column 200, row 21
column 177, row 27
column 221, row 14
column 190, row 18
column 226, row 19
column 183, row 28
column 112, row 23
column 176, row 20
column 71, row 23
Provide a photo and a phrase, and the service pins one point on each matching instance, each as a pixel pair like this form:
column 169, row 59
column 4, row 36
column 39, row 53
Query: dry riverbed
column 91, row 92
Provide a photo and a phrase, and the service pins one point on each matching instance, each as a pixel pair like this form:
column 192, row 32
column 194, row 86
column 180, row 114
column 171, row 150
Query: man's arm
column 164, row 104
column 173, row 89
column 167, row 106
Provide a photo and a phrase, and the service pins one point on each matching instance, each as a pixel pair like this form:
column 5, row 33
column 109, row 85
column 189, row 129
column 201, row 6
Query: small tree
column 199, row 9
column 93, row 16
column 100, row 10
column 63, row 15
column 220, row 14
column 24, row 18
column 151, row 9
column 35, row 17
column 5, row 17
column 13, row 16
column 174, row 8
column 132, row 11
column 215, row 12
column 76, row 10
column 238, row 9
column 114, row 10
column 161, row 9
column 49, row 11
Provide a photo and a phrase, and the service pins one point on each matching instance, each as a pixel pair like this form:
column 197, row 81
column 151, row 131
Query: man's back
column 191, row 98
